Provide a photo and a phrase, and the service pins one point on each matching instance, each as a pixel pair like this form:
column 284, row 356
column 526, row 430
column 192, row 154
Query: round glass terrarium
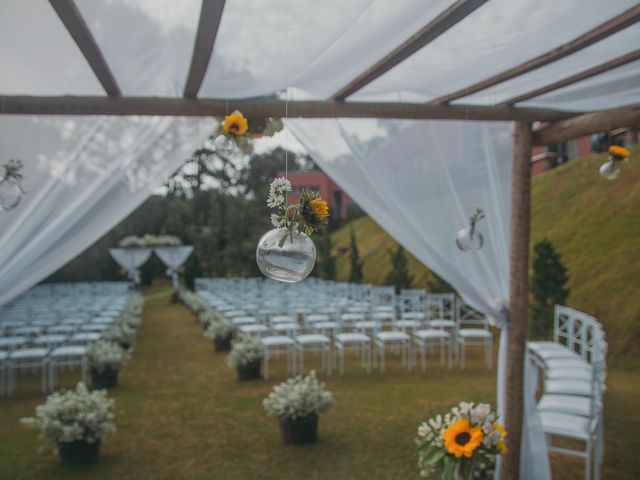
column 10, row 193
column 286, row 255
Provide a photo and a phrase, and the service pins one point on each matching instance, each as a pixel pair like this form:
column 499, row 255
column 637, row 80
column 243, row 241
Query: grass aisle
column 181, row 414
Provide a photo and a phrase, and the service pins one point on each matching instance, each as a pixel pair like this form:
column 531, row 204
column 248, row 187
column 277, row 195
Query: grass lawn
column 182, row 414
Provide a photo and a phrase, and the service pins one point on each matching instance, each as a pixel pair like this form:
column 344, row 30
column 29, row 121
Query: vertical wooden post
column 518, row 310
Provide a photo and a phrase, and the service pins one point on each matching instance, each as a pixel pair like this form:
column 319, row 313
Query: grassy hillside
column 594, row 224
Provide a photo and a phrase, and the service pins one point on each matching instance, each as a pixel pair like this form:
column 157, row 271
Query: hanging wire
column 286, row 96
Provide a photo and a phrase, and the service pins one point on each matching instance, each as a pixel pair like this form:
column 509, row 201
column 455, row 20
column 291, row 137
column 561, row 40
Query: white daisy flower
column 275, row 221
column 280, row 185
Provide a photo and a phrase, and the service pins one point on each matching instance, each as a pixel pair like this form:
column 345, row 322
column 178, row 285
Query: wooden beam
column 79, row 31
column 587, row 124
column 210, row 16
column 611, row 26
column 591, row 72
column 443, row 22
column 518, row 310
column 261, row 108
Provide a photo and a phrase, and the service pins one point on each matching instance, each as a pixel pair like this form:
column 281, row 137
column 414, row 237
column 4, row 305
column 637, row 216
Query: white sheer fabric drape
column 82, row 175
column 131, row 259
column 421, row 181
column 174, row 258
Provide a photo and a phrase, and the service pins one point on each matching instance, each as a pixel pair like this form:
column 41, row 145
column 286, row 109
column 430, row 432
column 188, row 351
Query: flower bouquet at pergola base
column 287, row 253
column 296, row 403
column 463, row 444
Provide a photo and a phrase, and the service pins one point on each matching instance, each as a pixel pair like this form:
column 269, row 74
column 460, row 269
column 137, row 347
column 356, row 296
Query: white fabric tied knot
column 174, row 257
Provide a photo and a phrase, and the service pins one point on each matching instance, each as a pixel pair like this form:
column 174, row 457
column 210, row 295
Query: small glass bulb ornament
column 10, row 189
column 286, row 255
column 611, row 168
column 224, row 144
column 469, row 239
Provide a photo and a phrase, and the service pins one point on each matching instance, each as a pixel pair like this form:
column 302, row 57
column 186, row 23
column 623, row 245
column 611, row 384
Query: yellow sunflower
column 320, row 209
column 235, row 124
column 619, row 151
column 460, row 438
column 502, row 446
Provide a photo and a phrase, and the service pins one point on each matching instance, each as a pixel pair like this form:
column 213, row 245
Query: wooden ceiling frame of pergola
column 563, row 126
column 79, row 31
column 602, row 31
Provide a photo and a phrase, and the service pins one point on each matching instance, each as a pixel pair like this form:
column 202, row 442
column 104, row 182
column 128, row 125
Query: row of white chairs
column 48, row 361
column 52, row 326
column 574, row 370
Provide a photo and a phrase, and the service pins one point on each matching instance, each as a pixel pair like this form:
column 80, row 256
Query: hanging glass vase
column 286, row 255
column 10, row 189
column 610, row 169
column 469, row 239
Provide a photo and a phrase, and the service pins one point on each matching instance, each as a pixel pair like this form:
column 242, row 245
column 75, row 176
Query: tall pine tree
column 327, row 261
column 548, row 288
column 355, row 276
column 399, row 275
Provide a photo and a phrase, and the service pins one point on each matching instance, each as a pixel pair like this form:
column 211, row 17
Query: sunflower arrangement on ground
column 308, row 216
column 461, row 444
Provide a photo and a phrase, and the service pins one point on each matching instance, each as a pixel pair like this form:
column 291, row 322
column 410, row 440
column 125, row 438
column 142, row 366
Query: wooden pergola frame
column 560, row 126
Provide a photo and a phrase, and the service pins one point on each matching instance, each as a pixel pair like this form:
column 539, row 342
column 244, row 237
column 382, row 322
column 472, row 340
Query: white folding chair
column 314, row 343
column 276, row 345
column 27, row 358
column 69, row 356
column 396, row 340
column 430, row 338
column 253, row 330
column 355, row 342
column 472, row 329
column 4, row 356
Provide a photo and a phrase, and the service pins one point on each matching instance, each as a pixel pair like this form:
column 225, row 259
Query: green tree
column 548, row 288
column 355, row 276
column 327, row 264
column 399, row 275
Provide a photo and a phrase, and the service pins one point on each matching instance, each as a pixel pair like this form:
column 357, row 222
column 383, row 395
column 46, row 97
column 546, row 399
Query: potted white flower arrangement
column 246, row 357
column 209, row 316
column 76, row 420
column 297, row 403
column 221, row 332
column 192, row 301
column 461, row 444
column 131, row 320
column 135, row 304
column 105, row 361
column 122, row 334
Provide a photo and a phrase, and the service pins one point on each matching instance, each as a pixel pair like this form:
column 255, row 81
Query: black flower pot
column 79, row 452
column 250, row 371
column 302, row 430
column 125, row 345
column 101, row 379
column 222, row 344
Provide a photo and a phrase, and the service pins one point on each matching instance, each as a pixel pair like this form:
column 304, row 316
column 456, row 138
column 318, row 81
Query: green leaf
column 435, row 456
